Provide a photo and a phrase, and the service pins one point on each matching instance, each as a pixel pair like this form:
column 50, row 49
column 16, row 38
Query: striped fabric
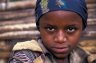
column 29, row 56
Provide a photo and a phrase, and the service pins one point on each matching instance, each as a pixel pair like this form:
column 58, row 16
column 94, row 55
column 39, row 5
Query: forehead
column 61, row 17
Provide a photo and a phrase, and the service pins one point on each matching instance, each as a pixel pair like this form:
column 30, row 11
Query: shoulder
column 81, row 51
column 92, row 58
column 23, row 56
column 26, row 51
column 80, row 55
column 30, row 45
column 89, row 58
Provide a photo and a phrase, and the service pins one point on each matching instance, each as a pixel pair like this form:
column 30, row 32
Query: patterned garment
column 24, row 56
column 29, row 56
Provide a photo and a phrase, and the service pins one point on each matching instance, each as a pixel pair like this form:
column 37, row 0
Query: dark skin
column 60, row 32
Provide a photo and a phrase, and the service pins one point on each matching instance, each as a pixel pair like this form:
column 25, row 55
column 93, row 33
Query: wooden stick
column 90, row 6
column 19, row 34
column 18, row 21
column 18, row 27
column 6, row 15
column 90, row 34
column 92, row 21
column 91, row 1
column 19, row 5
column 22, row 4
column 87, row 43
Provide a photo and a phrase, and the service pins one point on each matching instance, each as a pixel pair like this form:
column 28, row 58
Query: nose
column 60, row 37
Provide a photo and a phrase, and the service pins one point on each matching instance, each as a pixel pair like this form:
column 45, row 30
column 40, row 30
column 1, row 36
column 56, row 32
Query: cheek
column 46, row 38
column 74, row 40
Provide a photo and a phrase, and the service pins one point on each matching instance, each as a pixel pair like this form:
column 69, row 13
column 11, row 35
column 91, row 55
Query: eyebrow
column 76, row 26
column 48, row 24
column 72, row 25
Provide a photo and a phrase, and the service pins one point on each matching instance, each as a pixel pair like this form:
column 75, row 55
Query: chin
column 60, row 56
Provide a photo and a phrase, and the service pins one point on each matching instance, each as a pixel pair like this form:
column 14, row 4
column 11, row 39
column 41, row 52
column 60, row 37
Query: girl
column 60, row 23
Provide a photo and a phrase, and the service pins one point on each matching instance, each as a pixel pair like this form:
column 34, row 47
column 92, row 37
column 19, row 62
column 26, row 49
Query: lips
column 61, row 49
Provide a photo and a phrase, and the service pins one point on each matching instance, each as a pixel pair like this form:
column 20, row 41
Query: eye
column 71, row 29
column 50, row 28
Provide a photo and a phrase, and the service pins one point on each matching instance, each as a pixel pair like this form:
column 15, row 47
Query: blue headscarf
column 77, row 6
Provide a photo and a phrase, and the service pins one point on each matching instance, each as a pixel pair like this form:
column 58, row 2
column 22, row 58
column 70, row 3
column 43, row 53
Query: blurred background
column 17, row 24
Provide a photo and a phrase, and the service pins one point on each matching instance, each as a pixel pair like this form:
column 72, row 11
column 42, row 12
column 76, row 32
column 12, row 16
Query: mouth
column 61, row 49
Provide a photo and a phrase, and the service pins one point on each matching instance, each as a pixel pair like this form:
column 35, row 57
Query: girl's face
column 60, row 32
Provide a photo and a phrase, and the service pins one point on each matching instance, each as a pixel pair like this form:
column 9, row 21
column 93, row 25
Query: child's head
column 60, row 23
column 46, row 6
